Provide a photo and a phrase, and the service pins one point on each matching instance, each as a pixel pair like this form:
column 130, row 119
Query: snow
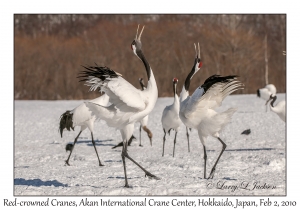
column 39, row 154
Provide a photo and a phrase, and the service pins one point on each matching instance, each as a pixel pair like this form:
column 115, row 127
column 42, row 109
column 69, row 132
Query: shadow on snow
column 38, row 182
column 249, row 149
column 98, row 142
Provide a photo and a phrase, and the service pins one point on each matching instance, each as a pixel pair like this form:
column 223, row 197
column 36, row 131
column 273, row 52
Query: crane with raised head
column 128, row 104
column 198, row 110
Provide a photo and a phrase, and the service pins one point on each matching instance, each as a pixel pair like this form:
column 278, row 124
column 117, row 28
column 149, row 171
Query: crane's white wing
column 122, row 94
column 102, row 100
column 211, row 94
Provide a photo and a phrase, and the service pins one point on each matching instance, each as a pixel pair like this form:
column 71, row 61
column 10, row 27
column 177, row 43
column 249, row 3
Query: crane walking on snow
column 81, row 116
column 170, row 117
column 198, row 110
column 129, row 105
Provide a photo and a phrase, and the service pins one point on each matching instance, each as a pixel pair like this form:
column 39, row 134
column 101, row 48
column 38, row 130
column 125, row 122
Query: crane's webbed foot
column 67, row 162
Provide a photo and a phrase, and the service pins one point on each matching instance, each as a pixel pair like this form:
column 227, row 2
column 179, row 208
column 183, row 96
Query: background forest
column 49, row 50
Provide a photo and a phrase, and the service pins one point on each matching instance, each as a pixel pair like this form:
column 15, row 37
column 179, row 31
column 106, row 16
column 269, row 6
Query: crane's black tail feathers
column 101, row 72
column 258, row 93
column 66, row 122
column 210, row 81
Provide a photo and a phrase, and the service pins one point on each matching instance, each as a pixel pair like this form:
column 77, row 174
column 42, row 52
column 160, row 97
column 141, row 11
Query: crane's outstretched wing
column 211, row 94
column 122, row 94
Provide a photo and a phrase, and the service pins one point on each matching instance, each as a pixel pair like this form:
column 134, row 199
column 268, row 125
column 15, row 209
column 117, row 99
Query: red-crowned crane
column 198, row 110
column 129, row 104
column 81, row 116
column 170, row 117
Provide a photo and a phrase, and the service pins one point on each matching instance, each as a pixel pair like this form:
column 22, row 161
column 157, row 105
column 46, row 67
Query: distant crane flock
column 122, row 105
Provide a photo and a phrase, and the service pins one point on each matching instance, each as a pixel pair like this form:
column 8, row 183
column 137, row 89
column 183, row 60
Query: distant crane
column 279, row 109
column 198, row 111
column 129, row 105
column 170, row 117
column 264, row 93
column 81, row 116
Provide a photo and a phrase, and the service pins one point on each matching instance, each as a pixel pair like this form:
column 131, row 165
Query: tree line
column 50, row 49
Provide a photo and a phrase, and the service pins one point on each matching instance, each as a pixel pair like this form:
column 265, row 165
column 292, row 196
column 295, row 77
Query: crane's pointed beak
column 118, row 74
column 141, row 33
column 137, row 32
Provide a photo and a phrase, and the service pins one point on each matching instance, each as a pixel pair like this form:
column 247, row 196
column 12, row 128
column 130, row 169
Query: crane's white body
column 198, row 111
column 279, row 108
column 144, row 121
column 128, row 104
column 170, row 117
column 83, row 117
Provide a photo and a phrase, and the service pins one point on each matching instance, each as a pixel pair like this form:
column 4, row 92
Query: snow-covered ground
column 255, row 159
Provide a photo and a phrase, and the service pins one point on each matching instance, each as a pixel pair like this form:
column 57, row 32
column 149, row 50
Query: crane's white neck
column 184, row 94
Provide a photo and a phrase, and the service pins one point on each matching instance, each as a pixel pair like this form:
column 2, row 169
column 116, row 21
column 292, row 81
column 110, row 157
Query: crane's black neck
column 174, row 88
column 273, row 100
column 188, row 79
column 146, row 64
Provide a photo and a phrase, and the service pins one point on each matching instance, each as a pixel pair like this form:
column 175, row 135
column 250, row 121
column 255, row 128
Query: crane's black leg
column 147, row 173
column 130, row 140
column 100, row 164
column 124, row 151
column 205, row 158
column 67, row 161
column 164, row 140
column 174, row 143
column 121, row 143
column 188, row 138
column 140, row 136
column 211, row 175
